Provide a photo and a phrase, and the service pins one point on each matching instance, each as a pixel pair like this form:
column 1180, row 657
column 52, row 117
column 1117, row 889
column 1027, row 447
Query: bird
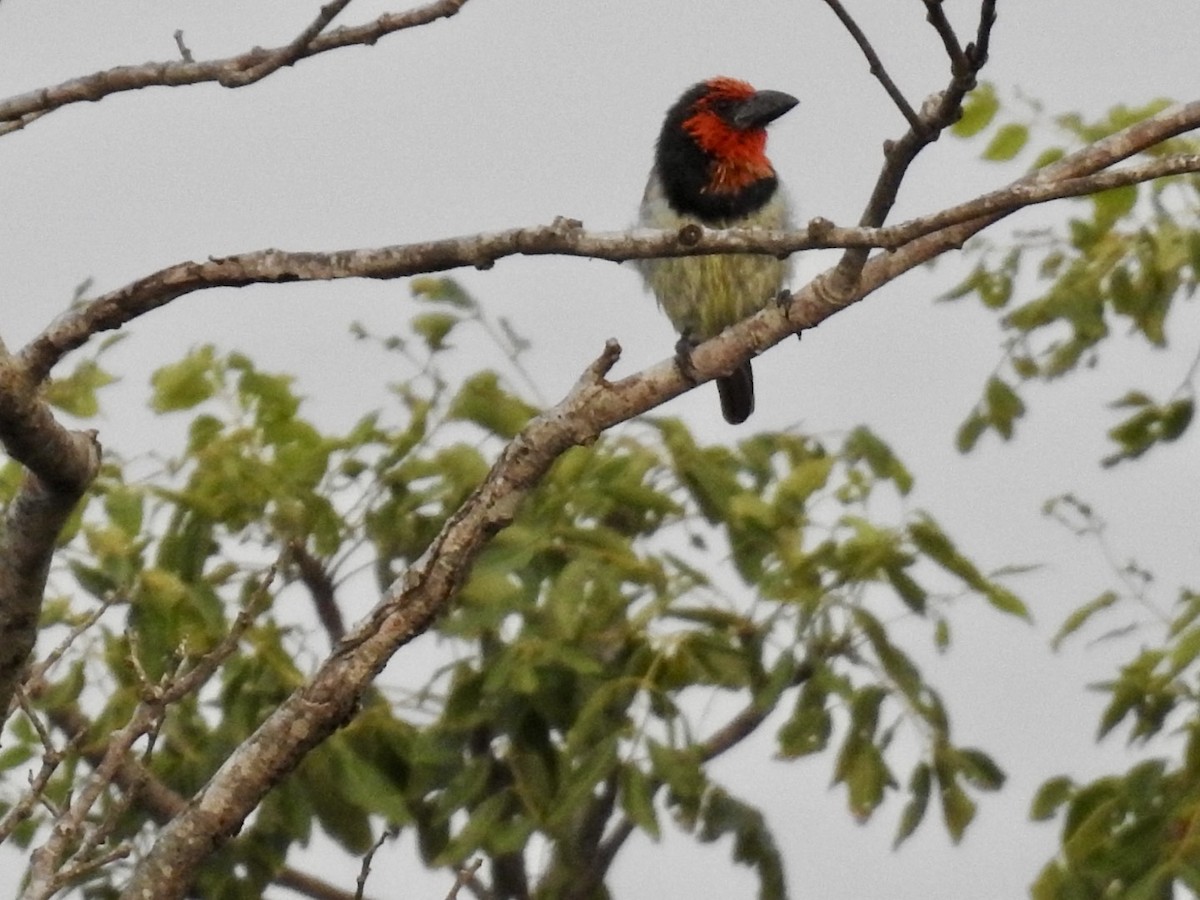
column 711, row 169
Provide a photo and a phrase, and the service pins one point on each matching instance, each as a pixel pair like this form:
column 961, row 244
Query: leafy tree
column 595, row 588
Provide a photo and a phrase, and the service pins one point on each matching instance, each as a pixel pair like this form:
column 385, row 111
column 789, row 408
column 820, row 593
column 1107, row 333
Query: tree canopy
column 210, row 652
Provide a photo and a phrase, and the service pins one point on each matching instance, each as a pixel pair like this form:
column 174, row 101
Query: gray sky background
column 515, row 112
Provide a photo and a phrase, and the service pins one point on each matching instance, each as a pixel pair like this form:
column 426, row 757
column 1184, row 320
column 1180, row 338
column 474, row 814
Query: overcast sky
column 515, row 112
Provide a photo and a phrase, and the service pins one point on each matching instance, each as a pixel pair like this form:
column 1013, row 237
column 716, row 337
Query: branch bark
column 566, row 237
column 60, row 465
column 232, row 72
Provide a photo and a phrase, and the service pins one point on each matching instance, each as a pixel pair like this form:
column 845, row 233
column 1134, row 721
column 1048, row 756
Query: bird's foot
column 683, row 358
column 784, row 301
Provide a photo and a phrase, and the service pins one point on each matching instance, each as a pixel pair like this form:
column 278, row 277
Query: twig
column 286, row 56
column 364, row 871
column 936, row 16
column 937, row 114
column 184, row 53
column 875, row 64
column 465, row 876
column 977, row 51
column 321, row 588
column 37, row 672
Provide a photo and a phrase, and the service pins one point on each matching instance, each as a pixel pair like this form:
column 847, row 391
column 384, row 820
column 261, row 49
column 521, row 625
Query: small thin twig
column 465, row 876
column 286, row 56
column 364, row 871
column 321, row 588
column 875, row 64
column 977, row 51
column 184, row 53
column 936, row 16
column 37, row 672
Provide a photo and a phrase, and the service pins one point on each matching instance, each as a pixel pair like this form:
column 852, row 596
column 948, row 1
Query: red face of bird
column 728, row 121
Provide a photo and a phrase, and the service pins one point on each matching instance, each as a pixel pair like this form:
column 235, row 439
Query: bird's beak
column 762, row 108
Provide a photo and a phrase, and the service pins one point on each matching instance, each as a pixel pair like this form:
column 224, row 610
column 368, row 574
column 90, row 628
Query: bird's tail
column 737, row 395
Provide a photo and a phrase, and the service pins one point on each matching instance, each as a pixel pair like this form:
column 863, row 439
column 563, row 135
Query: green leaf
column 1008, row 141
column 76, row 393
column 637, row 799
column 1050, row 796
column 863, row 444
column 810, row 725
column 433, row 328
column 805, row 479
column 753, row 844
column 1114, row 204
column 1176, row 417
column 1080, row 617
column 1048, row 156
column 969, row 432
column 442, row 290
column 861, row 767
column 914, row 811
column 979, row 108
column 958, row 810
column 184, row 384
column 1004, row 406
column 481, row 400
column 980, row 769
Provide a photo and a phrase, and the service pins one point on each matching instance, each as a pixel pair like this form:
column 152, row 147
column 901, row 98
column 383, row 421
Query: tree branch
column 937, row 113
column 321, row 588
column 876, row 65
column 567, row 238
column 61, row 464
column 936, row 16
column 17, row 112
column 286, row 56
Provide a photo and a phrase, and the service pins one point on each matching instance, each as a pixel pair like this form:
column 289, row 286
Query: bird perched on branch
column 711, row 169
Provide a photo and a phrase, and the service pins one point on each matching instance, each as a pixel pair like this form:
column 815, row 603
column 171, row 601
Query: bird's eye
column 723, row 107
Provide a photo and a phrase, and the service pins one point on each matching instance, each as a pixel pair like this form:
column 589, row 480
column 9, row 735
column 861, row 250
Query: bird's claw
column 683, row 358
column 784, row 301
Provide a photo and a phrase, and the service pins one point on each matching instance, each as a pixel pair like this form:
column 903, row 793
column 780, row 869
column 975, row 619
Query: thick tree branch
column 17, row 112
column 61, row 464
column 567, row 238
column 28, row 536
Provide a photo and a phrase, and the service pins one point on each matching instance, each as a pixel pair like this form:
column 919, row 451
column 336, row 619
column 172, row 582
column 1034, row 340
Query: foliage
column 1129, row 258
column 647, row 576
column 1124, row 262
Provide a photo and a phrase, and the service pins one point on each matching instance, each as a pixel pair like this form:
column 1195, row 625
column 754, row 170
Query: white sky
column 515, row 112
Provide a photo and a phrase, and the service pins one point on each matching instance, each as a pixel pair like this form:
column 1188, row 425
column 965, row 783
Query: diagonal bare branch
column 876, row 65
column 936, row 16
column 19, row 111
